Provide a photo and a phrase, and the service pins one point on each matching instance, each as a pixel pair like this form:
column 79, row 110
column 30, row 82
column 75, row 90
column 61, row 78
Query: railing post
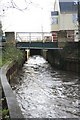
column 30, row 37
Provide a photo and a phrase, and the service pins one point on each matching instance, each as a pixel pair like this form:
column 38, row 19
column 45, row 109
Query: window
column 54, row 20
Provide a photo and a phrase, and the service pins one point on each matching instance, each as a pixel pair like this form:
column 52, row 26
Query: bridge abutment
column 27, row 54
column 54, row 58
column 44, row 53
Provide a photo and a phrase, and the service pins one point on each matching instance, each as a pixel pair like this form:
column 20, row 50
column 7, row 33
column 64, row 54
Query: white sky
column 35, row 18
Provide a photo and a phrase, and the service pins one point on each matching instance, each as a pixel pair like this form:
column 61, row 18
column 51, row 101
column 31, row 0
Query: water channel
column 43, row 92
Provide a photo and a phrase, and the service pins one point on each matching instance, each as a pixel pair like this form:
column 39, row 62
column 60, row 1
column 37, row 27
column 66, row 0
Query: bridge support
column 54, row 58
column 44, row 53
column 27, row 54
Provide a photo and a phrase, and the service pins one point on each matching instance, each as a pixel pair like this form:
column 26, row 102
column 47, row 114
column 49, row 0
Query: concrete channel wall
column 7, row 71
column 69, row 64
column 65, row 62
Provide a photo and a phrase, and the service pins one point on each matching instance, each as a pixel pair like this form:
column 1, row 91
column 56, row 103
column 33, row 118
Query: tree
column 15, row 5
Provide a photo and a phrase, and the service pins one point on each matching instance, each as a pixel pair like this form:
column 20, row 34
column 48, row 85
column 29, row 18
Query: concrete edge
column 14, row 109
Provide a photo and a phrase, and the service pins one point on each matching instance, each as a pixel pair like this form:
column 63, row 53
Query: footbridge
column 35, row 40
column 37, row 45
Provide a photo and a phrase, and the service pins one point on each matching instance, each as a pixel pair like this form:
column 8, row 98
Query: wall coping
column 14, row 109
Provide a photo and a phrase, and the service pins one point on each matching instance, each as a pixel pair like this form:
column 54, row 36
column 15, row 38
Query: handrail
column 14, row 109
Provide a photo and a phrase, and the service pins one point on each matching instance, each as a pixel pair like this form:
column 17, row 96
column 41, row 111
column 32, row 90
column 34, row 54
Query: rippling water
column 43, row 92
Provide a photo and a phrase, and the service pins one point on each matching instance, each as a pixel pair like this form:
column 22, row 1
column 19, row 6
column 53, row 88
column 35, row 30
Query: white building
column 64, row 19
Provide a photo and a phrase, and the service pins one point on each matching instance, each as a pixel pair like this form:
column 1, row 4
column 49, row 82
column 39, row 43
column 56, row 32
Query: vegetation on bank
column 0, row 58
column 10, row 53
column 7, row 54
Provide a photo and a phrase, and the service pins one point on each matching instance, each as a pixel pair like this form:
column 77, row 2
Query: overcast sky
column 35, row 18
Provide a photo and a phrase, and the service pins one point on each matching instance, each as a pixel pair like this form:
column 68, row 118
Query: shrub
column 10, row 52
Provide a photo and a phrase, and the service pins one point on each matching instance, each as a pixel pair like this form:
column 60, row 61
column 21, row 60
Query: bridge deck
column 37, row 45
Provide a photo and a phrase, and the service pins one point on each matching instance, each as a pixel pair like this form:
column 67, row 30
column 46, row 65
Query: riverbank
column 11, row 60
column 0, row 99
column 10, row 107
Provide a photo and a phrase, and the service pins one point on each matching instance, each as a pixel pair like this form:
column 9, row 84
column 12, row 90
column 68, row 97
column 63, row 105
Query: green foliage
column 0, row 62
column 0, row 58
column 10, row 52
column 5, row 113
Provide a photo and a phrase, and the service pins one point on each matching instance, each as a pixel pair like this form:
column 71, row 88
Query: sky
column 36, row 18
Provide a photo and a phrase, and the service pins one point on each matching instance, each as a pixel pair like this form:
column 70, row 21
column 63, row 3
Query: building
column 64, row 20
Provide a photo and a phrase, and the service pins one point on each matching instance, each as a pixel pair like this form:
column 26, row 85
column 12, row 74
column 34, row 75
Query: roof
column 68, row 6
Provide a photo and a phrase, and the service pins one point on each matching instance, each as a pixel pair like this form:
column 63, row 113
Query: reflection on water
column 43, row 92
